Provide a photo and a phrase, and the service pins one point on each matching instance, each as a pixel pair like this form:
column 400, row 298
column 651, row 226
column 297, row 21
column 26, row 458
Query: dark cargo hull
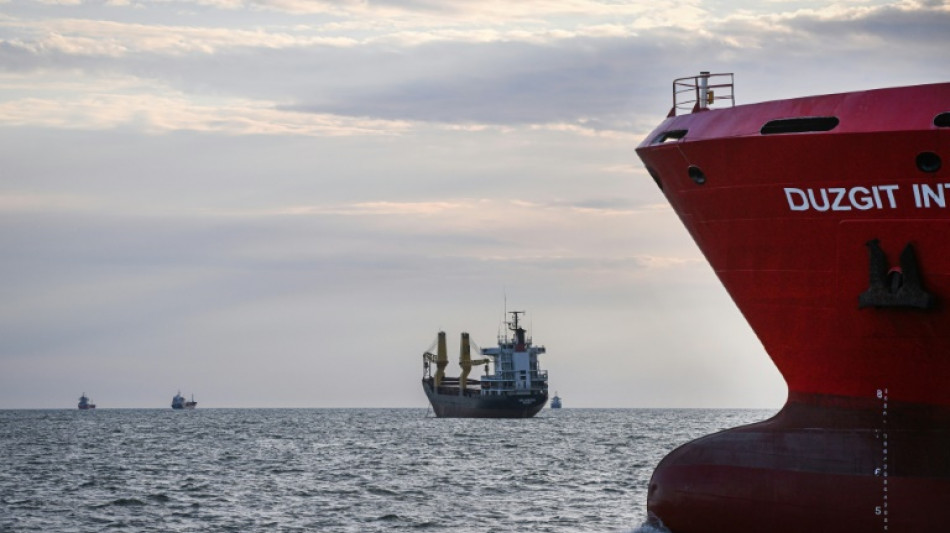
column 448, row 403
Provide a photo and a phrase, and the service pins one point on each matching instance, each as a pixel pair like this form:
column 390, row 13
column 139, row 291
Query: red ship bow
column 827, row 219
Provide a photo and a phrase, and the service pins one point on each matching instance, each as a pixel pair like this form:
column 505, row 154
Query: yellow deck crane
column 440, row 359
column 466, row 362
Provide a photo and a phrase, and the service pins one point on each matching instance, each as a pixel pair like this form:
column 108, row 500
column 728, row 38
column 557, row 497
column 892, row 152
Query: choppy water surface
column 336, row 470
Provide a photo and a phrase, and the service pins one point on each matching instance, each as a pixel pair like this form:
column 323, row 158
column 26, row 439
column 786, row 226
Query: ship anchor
column 895, row 287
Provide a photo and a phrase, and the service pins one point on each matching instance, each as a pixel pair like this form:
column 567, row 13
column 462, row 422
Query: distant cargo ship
column 85, row 402
column 826, row 219
column 179, row 402
column 556, row 401
column 518, row 388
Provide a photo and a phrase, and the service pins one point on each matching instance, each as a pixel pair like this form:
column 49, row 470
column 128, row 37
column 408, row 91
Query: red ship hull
column 827, row 219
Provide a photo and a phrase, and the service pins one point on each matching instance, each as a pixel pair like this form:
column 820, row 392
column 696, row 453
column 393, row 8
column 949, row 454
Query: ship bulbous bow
column 821, row 464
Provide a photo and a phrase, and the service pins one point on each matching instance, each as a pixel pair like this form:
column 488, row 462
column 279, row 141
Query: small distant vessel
column 85, row 402
column 179, row 402
column 516, row 389
column 556, row 401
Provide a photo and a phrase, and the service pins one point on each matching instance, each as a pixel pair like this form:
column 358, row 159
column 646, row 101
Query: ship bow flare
column 827, row 220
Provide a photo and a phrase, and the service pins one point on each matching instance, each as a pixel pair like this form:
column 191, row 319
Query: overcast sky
column 279, row 203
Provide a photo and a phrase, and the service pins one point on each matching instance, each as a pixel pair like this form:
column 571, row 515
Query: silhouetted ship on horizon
column 85, row 402
column 179, row 402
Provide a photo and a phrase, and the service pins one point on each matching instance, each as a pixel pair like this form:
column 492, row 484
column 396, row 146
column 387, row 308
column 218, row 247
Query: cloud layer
column 295, row 195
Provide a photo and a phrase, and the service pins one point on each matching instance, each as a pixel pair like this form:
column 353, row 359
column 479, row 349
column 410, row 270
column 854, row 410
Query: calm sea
column 336, row 470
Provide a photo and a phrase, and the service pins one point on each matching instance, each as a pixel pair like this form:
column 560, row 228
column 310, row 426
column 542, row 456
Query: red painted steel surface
column 796, row 265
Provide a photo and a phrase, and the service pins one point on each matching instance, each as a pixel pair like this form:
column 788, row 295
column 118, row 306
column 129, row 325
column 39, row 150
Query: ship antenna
column 504, row 316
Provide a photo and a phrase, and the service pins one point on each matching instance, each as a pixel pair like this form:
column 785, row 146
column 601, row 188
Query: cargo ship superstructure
column 827, row 220
column 517, row 387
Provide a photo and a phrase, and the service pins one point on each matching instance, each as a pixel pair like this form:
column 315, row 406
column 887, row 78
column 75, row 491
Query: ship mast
column 513, row 325
column 519, row 340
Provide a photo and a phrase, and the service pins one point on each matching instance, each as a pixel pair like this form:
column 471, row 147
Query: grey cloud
column 598, row 82
column 524, row 84
column 926, row 27
column 594, row 82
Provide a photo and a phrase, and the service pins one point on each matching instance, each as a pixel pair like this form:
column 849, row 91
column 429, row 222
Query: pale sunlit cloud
column 597, row 270
column 50, row 202
column 585, row 131
column 489, row 11
column 365, row 25
column 160, row 113
column 419, row 209
column 477, row 22
column 403, row 24
column 84, row 37
column 115, row 39
column 499, row 212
